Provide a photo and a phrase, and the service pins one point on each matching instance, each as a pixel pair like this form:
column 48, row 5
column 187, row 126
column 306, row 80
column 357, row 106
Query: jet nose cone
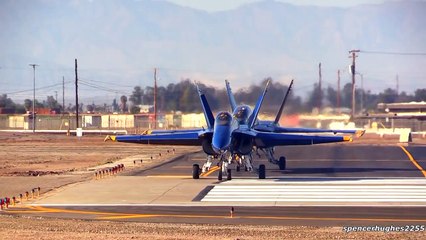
column 220, row 149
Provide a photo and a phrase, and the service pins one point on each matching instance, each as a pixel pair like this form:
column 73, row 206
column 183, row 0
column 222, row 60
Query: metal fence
column 415, row 125
column 137, row 125
column 70, row 123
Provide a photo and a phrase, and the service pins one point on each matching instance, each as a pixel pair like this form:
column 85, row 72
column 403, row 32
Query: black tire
column 229, row 177
column 238, row 168
column 219, row 177
column 262, row 171
column 282, row 163
column 195, row 171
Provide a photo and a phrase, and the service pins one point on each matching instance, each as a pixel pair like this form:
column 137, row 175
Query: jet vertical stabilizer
column 253, row 116
column 206, row 109
column 280, row 111
column 230, row 96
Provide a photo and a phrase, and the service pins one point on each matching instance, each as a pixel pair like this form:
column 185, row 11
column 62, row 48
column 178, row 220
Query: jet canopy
column 242, row 113
column 223, row 119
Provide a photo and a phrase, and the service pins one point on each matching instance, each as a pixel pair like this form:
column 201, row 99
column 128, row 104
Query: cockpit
column 223, row 119
column 242, row 113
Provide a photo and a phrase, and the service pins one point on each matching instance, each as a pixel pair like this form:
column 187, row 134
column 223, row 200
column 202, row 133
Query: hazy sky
column 218, row 5
column 115, row 43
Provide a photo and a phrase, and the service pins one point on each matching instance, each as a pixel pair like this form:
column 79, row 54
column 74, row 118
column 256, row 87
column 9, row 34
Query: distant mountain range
column 118, row 43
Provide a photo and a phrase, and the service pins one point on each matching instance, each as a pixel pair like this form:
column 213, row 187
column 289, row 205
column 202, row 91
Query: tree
column 332, row 96
column 90, row 108
column 314, row 98
column 161, row 98
column 28, row 104
column 137, row 95
column 123, row 104
column 135, row 109
column 388, row 96
column 148, row 97
column 52, row 103
column 115, row 106
column 346, row 96
column 420, row 95
column 6, row 102
column 404, row 97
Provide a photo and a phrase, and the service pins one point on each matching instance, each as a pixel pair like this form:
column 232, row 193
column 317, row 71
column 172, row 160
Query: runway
column 328, row 185
column 322, row 192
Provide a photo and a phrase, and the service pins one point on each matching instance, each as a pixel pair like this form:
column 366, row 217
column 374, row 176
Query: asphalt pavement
column 333, row 185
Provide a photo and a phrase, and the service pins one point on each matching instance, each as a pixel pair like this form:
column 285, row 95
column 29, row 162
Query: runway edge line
column 413, row 160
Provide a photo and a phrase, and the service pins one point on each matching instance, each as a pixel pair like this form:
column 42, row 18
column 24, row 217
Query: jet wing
column 265, row 139
column 277, row 129
column 171, row 131
column 176, row 138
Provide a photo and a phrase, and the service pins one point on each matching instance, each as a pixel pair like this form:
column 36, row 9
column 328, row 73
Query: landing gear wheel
column 195, row 171
column 262, row 171
column 229, row 176
column 238, row 168
column 282, row 163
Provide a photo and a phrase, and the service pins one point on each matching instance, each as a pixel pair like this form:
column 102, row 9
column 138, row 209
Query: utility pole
column 34, row 121
column 155, row 98
column 352, row 68
column 76, row 94
column 320, row 89
column 56, row 96
column 63, row 94
column 397, row 84
column 362, row 92
column 338, row 92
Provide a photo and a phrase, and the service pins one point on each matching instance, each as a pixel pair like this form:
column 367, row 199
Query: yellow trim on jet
column 347, row 138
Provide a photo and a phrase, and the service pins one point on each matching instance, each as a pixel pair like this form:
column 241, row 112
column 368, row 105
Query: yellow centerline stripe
column 128, row 216
column 413, row 160
column 168, row 176
column 262, row 217
column 116, row 215
column 59, row 210
column 337, row 219
column 215, row 168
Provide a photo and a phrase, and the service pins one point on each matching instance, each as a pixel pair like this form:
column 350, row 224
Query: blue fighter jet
column 230, row 138
column 274, row 127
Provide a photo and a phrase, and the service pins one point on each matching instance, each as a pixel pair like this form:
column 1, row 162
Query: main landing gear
column 269, row 153
column 244, row 161
column 262, row 171
column 282, row 163
column 195, row 171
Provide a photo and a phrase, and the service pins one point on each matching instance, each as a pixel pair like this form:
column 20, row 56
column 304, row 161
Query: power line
column 100, row 87
column 395, row 53
column 114, row 84
column 39, row 88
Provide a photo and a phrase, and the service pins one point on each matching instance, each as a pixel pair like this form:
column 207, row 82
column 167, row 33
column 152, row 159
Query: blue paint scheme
column 232, row 138
column 241, row 114
column 206, row 109
column 237, row 133
column 265, row 127
column 176, row 131
column 253, row 117
column 273, row 126
column 230, row 96
column 264, row 140
column 185, row 138
column 221, row 140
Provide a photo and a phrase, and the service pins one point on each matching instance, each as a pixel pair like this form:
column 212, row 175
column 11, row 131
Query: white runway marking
column 397, row 191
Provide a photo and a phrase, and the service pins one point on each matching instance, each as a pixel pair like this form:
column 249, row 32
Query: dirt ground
column 44, row 228
column 50, row 161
